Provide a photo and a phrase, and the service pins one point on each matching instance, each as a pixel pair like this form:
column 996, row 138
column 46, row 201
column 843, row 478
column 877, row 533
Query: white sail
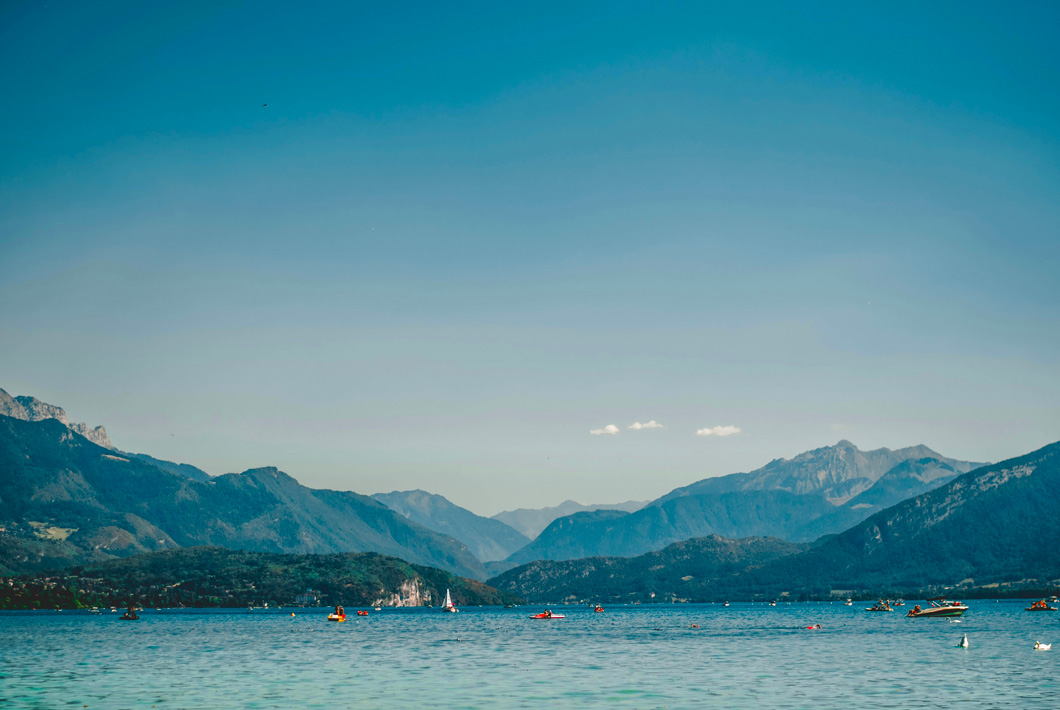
column 449, row 603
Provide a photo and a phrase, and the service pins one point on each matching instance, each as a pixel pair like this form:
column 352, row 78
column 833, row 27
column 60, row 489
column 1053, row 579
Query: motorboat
column 547, row 614
column 881, row 605
column 939, row 607
column 1040, row 606
column 598, row 608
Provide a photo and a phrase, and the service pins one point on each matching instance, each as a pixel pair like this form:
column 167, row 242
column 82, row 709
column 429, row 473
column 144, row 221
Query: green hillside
column 215, row 577
column 684, row 571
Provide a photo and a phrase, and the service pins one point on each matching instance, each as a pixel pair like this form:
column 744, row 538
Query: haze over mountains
column 531, row 521
column 488, row 539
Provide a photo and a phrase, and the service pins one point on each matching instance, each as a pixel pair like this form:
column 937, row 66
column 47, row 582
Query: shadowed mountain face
column 488, row 539
column 816, row 493
column 907, row 479
column 999, row 523
column 996, row 524
column 64, row 500
column 531, row 521
column 679, row 572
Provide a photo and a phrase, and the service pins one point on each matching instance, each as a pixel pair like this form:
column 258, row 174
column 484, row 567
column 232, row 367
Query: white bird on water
column 964, row 642
column 1042, row 646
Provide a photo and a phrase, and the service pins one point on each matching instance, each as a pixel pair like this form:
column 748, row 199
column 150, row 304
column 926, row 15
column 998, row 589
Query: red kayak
column 547, row 615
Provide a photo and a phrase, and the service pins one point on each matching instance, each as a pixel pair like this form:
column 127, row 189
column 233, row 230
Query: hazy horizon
column 518, row 255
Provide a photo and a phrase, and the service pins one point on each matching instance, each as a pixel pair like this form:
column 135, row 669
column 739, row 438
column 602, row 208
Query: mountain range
column 995, row 526
column 68, row 497
column 815, row 493
column 65, row 500
column 837, row 473
column 488, row 539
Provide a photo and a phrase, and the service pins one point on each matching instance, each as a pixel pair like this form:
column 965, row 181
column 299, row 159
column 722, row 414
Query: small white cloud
column 646, row 425
column 719, row 431
column 609, row 429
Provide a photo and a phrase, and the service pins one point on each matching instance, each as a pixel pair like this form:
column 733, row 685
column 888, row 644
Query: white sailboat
column 449, row 603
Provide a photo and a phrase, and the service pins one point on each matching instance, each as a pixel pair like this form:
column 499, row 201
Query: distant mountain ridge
column 65, row 501
column 531, row 521
column 995, row 526
column 819, row 492
column 837, row 473
column 31, row 409
column 610, row 533
column 487, row 538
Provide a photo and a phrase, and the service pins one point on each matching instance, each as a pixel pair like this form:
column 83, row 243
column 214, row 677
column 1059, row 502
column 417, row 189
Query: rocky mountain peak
column 31, row 409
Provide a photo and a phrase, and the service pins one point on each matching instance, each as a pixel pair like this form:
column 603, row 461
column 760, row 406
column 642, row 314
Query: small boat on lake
column 881, row 605
column 362, row 612
column 547, row 614
column 338, row 615
column 130, row 615
column 1040, row 606
column 939, row 608
column 598, row 608
column 448, row 606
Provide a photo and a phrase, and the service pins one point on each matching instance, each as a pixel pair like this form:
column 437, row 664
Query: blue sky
column 456, row 240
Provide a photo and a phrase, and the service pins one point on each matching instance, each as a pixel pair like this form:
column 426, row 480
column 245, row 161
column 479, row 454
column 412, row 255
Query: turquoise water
column 743, row 656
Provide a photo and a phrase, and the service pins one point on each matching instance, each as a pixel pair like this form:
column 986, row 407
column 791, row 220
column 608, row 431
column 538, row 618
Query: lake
column 743, row 656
